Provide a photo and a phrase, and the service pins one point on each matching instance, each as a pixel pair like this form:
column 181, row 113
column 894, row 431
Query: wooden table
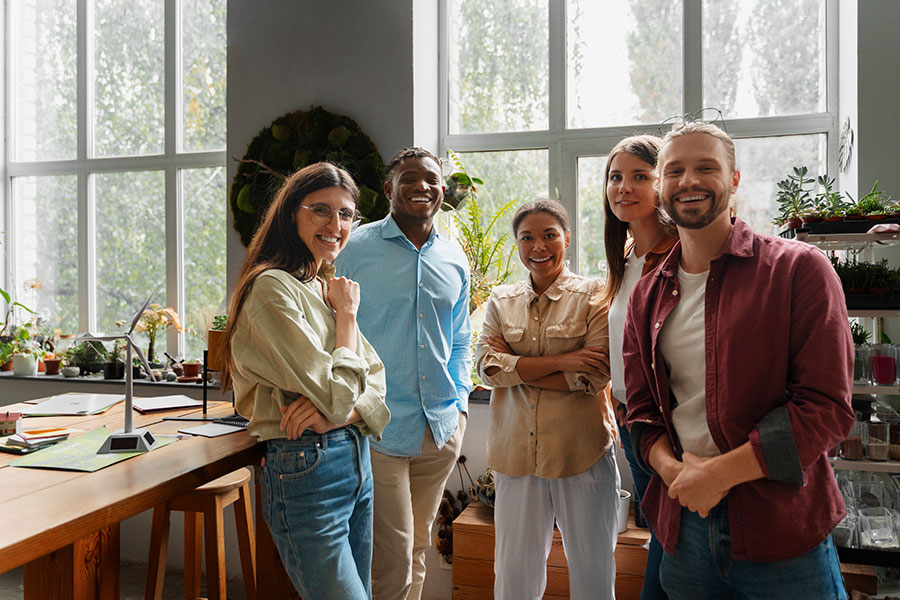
column 64, row 525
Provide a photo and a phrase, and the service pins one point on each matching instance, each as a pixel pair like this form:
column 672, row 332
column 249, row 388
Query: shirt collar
column 739, row 243
column 390, row 229
column 554, row 292
column 326, row 270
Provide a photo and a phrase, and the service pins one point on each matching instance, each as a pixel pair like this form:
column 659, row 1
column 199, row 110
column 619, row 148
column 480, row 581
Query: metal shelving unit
column 862, row 245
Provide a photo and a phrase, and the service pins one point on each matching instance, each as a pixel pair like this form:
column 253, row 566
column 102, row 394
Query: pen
column 177, row 436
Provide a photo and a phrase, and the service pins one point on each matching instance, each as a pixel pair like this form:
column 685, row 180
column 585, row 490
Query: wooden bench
column 473, row 559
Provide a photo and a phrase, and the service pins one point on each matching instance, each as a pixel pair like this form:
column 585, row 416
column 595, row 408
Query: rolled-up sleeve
column 816, row 412
column 597, row 336
column 370, row 406
column 485, row 357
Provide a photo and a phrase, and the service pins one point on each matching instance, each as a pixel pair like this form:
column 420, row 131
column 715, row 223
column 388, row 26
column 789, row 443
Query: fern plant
column 489, row 252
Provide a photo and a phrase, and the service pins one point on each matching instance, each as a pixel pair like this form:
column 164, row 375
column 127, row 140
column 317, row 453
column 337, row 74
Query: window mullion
column 693, row 56
column 557, row 67
column 87, row 248
column 174, row 293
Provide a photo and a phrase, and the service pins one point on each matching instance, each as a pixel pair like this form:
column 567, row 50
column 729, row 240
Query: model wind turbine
column 130, row 439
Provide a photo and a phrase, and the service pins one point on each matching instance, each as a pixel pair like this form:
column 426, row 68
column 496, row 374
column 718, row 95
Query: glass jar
column 877, row 441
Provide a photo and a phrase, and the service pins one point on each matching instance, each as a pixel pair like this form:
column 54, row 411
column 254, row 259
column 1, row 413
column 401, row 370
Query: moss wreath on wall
column 294, row 141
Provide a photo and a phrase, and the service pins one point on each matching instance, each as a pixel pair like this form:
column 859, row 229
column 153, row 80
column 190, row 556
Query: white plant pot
column 622, row 512
column 25, row 364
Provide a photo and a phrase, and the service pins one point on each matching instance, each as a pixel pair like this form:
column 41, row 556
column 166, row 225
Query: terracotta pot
column 215, row 341
column 7, row 366
column 52, row 365
column 794, row 223
column 191, row 369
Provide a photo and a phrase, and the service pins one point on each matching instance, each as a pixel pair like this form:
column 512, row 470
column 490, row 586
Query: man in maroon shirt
column 738, row 362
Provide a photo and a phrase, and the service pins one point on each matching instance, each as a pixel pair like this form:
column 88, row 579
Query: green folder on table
column 80, row 453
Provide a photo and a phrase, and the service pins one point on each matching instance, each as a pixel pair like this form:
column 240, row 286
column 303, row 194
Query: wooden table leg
column 272, row 580
column 85, row 570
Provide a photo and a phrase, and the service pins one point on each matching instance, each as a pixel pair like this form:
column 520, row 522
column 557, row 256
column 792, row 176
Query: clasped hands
column 696, row 483
column 302, row 414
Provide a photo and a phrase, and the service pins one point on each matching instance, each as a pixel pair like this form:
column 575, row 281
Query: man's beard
column 692, row 220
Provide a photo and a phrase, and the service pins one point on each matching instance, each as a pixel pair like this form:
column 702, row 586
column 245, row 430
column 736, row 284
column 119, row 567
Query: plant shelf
column 881, row 466
column 876, row 389
column 871, row 312
column 847, row 241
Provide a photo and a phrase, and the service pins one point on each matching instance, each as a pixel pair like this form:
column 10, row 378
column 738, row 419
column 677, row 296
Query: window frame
column 171, row 162
column 566, row 145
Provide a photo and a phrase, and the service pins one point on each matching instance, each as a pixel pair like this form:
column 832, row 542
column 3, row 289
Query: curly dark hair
column 544, row 205
column 414, row 152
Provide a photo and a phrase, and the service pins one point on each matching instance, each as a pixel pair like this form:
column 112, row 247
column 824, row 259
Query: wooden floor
column 473, row 559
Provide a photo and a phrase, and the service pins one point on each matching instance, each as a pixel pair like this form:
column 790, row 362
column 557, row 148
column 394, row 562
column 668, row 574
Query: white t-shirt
column 634, row 266
column 683, row 345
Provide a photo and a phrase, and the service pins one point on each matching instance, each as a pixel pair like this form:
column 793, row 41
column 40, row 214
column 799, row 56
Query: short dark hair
column 414, row 152
column 544, row 205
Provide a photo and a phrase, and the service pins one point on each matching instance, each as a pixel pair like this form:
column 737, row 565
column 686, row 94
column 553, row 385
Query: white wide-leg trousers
column 584, row 508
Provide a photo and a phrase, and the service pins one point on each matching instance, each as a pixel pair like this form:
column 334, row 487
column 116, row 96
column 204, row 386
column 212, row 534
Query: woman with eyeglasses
column 310, row 384
column 638, row 235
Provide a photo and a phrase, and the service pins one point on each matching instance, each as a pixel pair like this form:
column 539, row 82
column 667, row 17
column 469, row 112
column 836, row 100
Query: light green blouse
column 283, row 346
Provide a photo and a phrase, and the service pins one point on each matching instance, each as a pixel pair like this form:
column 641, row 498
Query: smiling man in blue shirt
column 414, row 309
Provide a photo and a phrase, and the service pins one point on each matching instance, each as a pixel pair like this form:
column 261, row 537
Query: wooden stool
column 210, row 500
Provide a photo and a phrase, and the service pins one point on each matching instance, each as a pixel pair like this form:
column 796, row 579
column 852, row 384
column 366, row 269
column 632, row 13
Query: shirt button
column 533, row 339
column 421, row 284
column 654, row 327
column 653, row 366
column 422, row 346
column 423, row 378
column 421, row 315
column 531, row 434
column 674, row 292
column 537, row 319
column 532, row 406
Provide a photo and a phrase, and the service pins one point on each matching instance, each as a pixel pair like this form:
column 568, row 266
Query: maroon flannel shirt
column 779, row 360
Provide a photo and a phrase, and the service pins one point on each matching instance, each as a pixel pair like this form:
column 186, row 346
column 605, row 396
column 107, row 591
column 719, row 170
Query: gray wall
column 878, row 90
column 352, row 57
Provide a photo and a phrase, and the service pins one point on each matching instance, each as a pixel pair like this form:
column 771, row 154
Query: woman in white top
column 638, row 235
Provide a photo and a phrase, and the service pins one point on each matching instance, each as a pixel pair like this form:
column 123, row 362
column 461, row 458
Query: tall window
column 535, row 93
column 115, row 162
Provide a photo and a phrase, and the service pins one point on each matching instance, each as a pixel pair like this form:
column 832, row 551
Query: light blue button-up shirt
column 414, row 310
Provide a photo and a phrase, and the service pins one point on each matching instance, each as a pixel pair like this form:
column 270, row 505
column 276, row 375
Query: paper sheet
column 73, row 404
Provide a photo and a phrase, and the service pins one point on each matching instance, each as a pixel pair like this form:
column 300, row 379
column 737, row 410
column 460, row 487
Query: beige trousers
column 408, row 491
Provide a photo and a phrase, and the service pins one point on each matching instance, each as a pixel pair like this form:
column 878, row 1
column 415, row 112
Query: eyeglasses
column 713, row 116
column 322, row 214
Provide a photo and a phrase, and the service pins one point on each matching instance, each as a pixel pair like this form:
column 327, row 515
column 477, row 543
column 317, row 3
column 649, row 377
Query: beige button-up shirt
column 548, row 433
column 284, row 346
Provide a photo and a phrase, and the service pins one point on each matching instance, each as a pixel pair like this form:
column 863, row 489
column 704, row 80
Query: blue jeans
column 317, row 502
column 651, row 590
column 702, row 566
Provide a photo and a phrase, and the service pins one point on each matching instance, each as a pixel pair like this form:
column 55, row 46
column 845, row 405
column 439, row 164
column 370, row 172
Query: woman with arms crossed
column 545, row 353
column 310, row 384
column 638, row 236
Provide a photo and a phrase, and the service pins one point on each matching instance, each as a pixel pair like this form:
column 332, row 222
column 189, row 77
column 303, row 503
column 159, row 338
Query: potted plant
column 114, row 367
column 6, row 338
column 829, row 201
column 155, row 320
column 52, row 364
column 88, row 356
column 26, row 352
column 191, row 368
column 215, row 343
column 793, row 198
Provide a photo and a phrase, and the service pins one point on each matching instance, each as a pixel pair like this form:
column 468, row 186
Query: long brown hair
column 277, row 245
column 615, row 234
